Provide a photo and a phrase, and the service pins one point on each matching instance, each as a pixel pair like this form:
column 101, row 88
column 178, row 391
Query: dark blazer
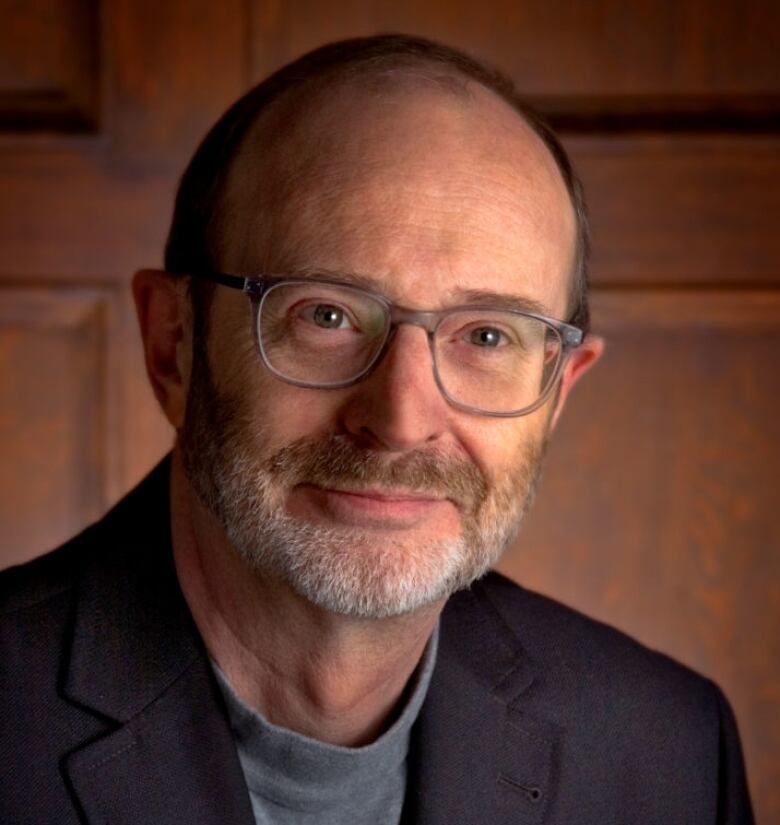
column 109, row 712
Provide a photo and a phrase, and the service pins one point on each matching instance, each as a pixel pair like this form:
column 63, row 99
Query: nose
column 399, row 406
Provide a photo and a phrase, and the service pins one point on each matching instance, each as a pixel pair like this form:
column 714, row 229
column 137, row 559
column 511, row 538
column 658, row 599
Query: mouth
column 382, row 494
column 376, row 507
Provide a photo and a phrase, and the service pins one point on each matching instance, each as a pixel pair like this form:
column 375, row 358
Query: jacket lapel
column 478, row 756
column 137, row 662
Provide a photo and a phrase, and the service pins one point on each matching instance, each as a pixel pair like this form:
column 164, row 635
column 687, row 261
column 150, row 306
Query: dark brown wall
column 659, row 508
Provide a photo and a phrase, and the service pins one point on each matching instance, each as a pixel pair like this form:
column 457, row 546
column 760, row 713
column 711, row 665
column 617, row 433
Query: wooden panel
column 101, row 209
column 56, row 420
column 682, row 210
column 49, row 67
column 64, row 214
column 659, row 508
column 585, row 61
column 175, row 67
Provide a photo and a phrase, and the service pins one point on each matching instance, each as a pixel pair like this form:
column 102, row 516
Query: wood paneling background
column 658, row 512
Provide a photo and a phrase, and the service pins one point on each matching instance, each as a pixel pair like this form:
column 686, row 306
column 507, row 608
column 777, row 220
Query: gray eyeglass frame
column 256, row 287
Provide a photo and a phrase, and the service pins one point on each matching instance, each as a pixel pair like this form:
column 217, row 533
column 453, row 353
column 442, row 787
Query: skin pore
column 431, row 195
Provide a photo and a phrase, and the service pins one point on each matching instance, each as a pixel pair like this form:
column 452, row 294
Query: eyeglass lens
column 323, row 334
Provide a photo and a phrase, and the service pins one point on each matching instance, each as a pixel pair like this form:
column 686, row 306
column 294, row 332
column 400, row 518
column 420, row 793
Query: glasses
column 324, row 334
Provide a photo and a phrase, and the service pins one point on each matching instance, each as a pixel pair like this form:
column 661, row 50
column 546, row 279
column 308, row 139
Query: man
column 282, row 624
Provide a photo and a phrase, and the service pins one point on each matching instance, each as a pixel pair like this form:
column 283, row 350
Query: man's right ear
column 164, row 318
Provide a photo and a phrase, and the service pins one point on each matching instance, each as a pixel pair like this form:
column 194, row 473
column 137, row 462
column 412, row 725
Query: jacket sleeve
column 734, row 806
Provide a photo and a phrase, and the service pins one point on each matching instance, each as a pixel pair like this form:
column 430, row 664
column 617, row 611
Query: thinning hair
column 190, row 244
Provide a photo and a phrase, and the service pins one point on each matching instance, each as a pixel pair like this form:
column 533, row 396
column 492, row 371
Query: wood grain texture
column 658, row 512
column 609, row 51
column 682, row 209
column 73, row 215
column 49, row 65
column 58, row 423
column 175, row 66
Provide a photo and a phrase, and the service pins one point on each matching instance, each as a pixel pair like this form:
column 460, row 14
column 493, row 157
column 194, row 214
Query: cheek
column 232, row 354
column 286, row 412
column 499, row 446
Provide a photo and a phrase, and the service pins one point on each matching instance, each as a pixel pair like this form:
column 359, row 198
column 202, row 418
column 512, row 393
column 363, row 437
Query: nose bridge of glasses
column 426, row 319
column 397, row 316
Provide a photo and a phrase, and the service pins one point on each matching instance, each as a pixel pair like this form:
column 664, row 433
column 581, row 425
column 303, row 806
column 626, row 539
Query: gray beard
column 345, row 570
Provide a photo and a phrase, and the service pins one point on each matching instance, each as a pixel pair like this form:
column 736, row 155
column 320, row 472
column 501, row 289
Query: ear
column 580, row 361
column 164, row 318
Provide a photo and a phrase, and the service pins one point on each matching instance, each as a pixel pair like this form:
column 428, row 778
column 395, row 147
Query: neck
column 334, row 678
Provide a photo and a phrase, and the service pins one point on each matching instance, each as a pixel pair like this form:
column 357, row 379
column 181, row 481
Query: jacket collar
column 479, row 754
column 137, row 661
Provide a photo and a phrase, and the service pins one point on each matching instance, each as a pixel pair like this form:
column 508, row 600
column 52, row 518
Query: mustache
column 337, row 461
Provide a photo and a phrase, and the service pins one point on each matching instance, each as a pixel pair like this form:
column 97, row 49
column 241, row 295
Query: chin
column 357, row 573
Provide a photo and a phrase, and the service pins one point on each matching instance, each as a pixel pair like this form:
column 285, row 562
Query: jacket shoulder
column 596, row 656
column 55, row 573
column 44, row 578
column 623, row 704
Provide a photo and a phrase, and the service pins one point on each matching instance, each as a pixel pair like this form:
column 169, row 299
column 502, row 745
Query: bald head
column 369, row 115
column 354, row 151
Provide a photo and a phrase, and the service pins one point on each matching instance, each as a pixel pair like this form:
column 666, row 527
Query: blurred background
column 660, row 507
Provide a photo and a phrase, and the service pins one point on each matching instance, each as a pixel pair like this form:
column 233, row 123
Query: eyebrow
column 505, row 300
column 458, row 296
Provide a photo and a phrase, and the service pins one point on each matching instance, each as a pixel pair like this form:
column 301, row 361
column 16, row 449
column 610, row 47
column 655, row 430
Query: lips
column 385, row 495
column 374, row 508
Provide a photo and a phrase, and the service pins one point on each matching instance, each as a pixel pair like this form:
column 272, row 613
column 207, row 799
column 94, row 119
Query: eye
column 487, row 337
column 327, row 316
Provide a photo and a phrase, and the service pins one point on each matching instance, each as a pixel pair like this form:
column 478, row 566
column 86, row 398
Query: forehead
column 426, row 191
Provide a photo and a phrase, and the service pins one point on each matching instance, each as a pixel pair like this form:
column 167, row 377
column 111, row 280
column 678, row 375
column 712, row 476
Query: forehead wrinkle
column 451, row 210
column 455, row 204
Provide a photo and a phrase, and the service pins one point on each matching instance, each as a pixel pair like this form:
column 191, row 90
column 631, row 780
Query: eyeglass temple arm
column 233, row 281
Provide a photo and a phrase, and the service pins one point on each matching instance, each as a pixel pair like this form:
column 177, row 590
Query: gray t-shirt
column 296, row 780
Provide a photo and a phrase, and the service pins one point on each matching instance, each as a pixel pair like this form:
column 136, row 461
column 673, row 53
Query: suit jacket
column 109, row 711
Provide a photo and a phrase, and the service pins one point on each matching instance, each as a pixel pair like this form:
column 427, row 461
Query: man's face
column 381, row 498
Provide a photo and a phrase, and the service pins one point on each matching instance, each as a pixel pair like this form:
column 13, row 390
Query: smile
column 382, row 508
